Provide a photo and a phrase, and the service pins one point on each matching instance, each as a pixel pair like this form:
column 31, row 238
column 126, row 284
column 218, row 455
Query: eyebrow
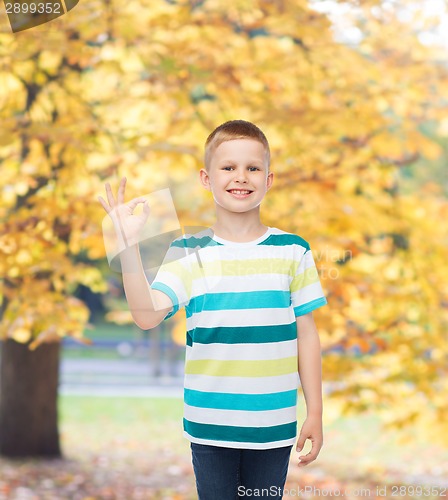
column 258, row 162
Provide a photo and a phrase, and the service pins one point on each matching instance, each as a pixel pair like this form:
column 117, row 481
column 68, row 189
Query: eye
column 256, row 168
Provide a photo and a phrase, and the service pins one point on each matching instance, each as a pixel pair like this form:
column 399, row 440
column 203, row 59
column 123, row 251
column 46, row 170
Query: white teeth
column 239, row 192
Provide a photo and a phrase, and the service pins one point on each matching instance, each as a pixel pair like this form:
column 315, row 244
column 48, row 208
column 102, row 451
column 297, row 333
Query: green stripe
column 246, row 402
column 242, row 368
column 203, row 239
column 241, row 434
column 243, row 334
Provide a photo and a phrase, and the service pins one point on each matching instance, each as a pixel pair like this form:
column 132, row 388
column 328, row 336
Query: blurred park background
column 353, row 98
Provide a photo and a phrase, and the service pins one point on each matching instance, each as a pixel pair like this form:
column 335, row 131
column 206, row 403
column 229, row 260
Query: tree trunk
column 28, row 400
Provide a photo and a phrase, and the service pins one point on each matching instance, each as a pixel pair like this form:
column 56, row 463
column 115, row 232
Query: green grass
column 350, row 443
column 85, row 410
column 95, row 422
column 134, row 448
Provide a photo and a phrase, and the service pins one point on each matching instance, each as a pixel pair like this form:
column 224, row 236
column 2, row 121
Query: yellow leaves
column 13, row 272
column 112, row 51
column 347, row 184
column 413, row 315
column 49, row 335
column 7, row 137
column 45, row 318
column 392, row 271
column 21, row 334
column 426, row 147
column 49, row 61
column 382, row 104
column 367, row 264
column 251, row 84
column 98, row 161
column 12, row 96
column 179, row 330
column 23, row 257
column 442, row 127
column 8, row 244
column 24, row 69
column 385, row 144
column 19, row 328
column 77, row 310
column 357, row 310
column 92, row 278
column 95, row 245
column 438, row 355
column 21, row 187
column 43, row 106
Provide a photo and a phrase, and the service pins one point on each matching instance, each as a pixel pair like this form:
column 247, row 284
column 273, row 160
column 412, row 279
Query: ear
column 205, row 179
column 269, row 180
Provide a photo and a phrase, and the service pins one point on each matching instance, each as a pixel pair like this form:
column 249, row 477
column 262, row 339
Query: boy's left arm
column 310, row 372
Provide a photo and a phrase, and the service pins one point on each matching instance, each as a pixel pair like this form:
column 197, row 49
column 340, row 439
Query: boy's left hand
column 312, row 430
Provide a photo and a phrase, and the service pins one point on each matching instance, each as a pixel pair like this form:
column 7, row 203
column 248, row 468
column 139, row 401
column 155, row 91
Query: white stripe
column 307, row 294
column 242, row 317
column 242, row 385
column 175, row 283
column 246, row 446
column 245, row 283
column 212, row 253
column 241, row 418
column 226, row 352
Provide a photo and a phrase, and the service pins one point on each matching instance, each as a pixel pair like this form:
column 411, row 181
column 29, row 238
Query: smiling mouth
column 239, row 191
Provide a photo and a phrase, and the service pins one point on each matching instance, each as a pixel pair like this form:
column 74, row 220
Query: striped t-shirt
column 241, row 302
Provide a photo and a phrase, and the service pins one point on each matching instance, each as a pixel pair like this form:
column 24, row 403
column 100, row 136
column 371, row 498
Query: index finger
column 121, row 190
column 310, row 456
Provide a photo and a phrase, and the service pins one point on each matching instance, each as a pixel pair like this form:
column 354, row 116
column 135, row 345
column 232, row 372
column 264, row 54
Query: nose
column 240, row 176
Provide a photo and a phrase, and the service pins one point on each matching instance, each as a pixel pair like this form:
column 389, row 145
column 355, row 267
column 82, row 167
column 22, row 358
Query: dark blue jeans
column 233, row 473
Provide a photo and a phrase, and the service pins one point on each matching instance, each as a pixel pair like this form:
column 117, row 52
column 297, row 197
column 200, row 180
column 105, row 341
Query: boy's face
column 239, row 164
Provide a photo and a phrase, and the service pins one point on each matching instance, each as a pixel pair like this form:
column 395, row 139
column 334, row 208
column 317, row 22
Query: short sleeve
column 174, row 276
column 306, row 290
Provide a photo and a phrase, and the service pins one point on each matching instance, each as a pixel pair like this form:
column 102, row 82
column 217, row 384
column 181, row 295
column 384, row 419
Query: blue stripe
column 248, row 402
column 309, row 306
column 259, row 299
column 170, row 292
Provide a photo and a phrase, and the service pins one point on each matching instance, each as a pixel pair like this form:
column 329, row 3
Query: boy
column 249, row 291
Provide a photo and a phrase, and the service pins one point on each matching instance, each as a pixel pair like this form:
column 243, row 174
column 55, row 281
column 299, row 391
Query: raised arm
column 148, row 307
